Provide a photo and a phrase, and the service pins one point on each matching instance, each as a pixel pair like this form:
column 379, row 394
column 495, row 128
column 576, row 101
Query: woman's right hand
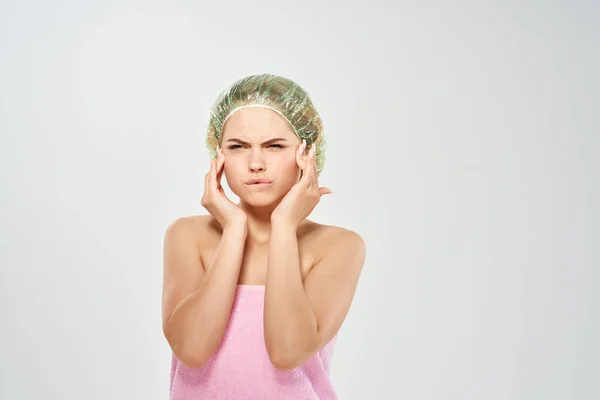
column 214, row 199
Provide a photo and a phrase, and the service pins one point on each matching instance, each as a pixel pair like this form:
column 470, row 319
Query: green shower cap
column 280, row 94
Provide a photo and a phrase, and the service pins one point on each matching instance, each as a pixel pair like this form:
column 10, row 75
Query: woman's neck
column 259, row 223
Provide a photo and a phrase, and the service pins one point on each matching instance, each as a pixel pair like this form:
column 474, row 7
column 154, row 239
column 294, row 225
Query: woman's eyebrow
column 266, row 142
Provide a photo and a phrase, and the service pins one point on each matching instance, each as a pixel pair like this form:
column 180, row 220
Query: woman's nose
column 256, row 167
column 256, row 162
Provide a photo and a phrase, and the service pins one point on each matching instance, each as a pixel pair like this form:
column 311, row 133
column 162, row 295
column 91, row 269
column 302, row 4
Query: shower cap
column 280, row 94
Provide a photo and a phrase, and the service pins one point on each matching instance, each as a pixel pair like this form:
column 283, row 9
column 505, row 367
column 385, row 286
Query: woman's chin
column 259, row 200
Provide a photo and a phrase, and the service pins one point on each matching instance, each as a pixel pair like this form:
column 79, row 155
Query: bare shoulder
column 203, row 228
column 325, row 239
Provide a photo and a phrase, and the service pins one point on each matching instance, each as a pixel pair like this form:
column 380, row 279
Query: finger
column 304, row 166
column 300, row 154
column 220, row 166
column 314, row 166
column 324, row 190
column 207, row 182
column 300, row 158
column 213, row 177
column 309, row 170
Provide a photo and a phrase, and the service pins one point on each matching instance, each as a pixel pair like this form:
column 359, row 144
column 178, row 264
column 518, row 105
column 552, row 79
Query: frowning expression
column 260, row 155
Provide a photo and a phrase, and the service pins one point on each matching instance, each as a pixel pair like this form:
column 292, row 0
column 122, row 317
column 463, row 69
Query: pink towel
column 240, row 369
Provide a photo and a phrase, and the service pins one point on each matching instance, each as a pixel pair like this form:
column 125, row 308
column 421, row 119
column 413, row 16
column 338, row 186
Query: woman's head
column 259, row 121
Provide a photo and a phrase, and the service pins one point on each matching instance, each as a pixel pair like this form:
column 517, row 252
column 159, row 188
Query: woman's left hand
column 304, row 196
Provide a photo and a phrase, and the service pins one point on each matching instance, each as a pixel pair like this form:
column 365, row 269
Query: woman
column 255, row 293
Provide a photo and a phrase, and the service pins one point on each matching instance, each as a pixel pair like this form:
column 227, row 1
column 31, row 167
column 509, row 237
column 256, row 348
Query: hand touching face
column 304, row 196
column 260, row 147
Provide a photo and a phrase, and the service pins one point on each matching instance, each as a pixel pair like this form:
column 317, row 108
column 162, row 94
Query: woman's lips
column 259, row 184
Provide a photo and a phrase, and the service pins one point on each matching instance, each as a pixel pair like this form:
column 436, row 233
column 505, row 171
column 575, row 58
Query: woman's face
column 259, row 144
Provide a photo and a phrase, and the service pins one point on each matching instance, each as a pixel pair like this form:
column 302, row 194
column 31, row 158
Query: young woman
column 254, row 293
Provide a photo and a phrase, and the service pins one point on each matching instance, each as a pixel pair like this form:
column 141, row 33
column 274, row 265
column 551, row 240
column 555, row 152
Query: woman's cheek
column 289, row 162
column 290, row 171
column 229, row 173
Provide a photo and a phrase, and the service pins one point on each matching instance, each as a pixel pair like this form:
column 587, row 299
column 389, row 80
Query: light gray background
column 462, row 146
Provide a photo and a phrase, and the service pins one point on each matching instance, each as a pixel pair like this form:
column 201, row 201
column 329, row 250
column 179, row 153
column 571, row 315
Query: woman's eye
column 238, row 146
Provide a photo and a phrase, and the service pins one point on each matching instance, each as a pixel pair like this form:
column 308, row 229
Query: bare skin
column 309, row 270
column 313, row 240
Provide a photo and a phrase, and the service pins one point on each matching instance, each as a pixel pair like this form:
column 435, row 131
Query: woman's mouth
column 259, row 183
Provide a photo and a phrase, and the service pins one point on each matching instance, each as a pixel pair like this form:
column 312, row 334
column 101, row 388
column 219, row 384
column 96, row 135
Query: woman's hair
column 280, row 94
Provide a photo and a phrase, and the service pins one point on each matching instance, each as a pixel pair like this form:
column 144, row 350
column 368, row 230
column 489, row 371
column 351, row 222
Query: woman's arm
column 196, row 300
column 299, row 319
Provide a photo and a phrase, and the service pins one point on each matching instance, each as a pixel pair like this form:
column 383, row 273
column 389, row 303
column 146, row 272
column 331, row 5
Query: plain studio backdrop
column 462, row 145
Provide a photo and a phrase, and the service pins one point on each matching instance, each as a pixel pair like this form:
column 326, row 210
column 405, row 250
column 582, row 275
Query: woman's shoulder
column 201, row 227
column 317, row 234
column 327, row 237
column 334, row 243
column 193, row 221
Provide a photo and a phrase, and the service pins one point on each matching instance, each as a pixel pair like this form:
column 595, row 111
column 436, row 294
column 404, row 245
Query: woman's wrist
column 281, row 224
column 236, row 227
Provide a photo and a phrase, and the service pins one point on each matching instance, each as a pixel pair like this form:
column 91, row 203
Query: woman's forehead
column 257, row 124
column 256, row 137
